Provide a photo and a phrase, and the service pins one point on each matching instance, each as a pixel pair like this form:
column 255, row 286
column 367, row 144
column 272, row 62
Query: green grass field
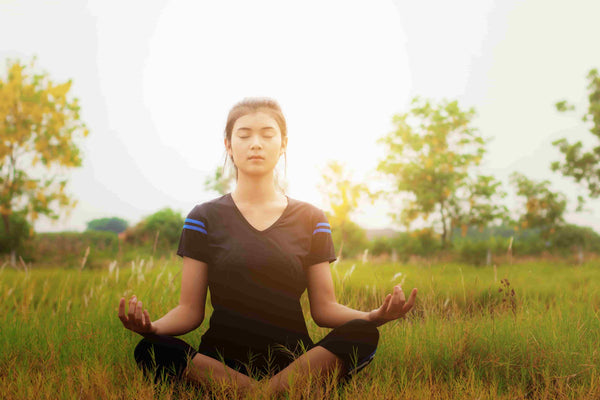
column 60, row 337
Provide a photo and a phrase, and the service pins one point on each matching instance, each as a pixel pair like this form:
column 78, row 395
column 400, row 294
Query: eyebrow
column 248, row 129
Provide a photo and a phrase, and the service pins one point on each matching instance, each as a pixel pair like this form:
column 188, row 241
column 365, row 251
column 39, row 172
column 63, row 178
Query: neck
column 256, row 189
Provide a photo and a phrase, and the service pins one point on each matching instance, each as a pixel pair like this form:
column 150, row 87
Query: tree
column 429, row 156
column 219, row 182
column 114, row 224
column 583, row 165
column 543, row 208
column 19, row 230
column 343, row 197
column 165, row 223
column 480, row 206
column 38, row 125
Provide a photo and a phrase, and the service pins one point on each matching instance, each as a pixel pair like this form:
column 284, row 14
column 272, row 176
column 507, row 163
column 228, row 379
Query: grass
column 527, row 330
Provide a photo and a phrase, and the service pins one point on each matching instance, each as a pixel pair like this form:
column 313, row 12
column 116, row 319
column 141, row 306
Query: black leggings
column 355, row 342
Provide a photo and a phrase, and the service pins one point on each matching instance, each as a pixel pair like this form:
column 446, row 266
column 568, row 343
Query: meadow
column 527, row 330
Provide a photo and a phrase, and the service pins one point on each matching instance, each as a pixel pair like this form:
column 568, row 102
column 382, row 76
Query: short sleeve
column 193, row 241
column 321, row 247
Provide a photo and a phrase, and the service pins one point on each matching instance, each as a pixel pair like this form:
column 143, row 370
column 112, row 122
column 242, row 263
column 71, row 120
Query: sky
column 156, row 80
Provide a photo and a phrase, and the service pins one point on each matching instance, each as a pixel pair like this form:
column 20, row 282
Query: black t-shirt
column 255, row 277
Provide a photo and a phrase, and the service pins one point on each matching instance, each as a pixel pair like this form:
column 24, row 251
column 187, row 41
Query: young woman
column 257, row 250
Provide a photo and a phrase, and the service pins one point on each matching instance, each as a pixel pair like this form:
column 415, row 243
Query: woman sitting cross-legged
column 257, row 250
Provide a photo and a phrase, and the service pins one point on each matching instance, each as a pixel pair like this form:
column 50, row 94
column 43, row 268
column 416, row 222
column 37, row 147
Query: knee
column 143, row 354
column 361, row 330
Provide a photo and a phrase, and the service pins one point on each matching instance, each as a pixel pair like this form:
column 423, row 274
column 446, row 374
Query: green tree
column 219, row 182
column 429, row 156
column 19, row 230
column 543, row 208
column 479, row 206
column 167, row 222
column 113, row 224
column 38, row 125
column 343, row 197
column 583, row 165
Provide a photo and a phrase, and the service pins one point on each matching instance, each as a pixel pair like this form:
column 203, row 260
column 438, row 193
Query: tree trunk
column 13, row 252
column 444, row 233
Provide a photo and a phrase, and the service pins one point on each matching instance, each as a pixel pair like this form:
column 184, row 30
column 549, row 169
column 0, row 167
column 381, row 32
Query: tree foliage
column 343, row 197
column 113, row 224
column 165, row 223
column 429, row 156
column 583, row 165
column 37, row 124
column 542, row 208
column 219, row 182
column 478, row 205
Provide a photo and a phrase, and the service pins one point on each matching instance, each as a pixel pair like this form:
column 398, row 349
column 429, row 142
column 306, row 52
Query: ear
column 284, row 145
column 227, row 146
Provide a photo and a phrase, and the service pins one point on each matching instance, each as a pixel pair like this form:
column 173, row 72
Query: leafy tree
column 343, row 197
column 38, row 125
column 114, row 224
column 583, row 165
column 167, row 222
column 429, row 155
column 219, row 182
column 480, row 206
column 19, row 231
column 543, row 208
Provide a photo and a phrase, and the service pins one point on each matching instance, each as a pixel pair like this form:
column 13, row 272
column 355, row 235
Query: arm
column 189, row 313
column 324, row 308
column 328, row 313
column 185, row 317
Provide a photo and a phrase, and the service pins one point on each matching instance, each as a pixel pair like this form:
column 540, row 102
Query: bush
column 116, row 225
column 67, row 249
column 356, row 239
column 167, row 222
column 20, row 231
column 380, row 245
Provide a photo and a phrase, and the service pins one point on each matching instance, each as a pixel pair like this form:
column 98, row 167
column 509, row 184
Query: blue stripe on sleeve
column 193, row 221
column 321, row 230
column 194, row 228
column 323, row 224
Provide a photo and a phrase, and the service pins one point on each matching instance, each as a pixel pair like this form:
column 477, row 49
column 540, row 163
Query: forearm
column 337, row 314
column 179, row 321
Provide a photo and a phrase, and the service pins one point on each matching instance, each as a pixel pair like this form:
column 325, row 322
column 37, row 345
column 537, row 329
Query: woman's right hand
column 137, row 319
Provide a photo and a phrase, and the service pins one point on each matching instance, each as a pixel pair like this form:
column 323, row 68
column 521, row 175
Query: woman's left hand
column 394, row 306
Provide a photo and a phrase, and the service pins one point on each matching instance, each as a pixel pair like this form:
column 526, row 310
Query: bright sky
column 156, row 81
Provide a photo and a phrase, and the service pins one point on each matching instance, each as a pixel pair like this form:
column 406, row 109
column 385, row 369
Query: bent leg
column 317, row 361
column 163, row 356
column 169, row 358
column 354, row 343
column 347, row 349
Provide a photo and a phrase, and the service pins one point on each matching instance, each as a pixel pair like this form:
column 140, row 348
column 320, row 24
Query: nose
column 256, row 142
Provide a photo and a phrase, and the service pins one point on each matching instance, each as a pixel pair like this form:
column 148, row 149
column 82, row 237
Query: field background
column 527, row 330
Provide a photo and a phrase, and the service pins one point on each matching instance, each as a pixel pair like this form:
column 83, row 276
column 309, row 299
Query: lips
column 256, row 158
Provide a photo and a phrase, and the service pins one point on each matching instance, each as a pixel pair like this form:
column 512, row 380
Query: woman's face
column 256, row 134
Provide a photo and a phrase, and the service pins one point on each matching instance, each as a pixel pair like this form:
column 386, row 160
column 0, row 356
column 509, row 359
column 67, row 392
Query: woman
column 258, row 250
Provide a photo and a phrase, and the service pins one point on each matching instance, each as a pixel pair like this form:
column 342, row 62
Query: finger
column 122, row 315
column 131, row 312
column 138, row 313
column 397, row 296
column 401, row 293
column 389, row 305
column 411, row 300
column 147, row 320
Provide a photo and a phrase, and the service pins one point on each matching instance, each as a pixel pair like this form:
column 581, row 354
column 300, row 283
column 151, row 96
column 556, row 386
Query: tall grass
column 530, row 331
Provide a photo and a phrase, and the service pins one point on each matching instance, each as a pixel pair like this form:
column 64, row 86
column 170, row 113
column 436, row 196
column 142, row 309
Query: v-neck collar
column 249, row 224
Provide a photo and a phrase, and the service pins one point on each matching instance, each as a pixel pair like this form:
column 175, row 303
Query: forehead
column 256, row 121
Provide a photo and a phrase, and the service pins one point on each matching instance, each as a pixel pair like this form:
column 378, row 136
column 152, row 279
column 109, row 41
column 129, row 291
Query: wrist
column 371, row 318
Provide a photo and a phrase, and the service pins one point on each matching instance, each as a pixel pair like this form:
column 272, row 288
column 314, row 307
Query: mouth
column 256, row 158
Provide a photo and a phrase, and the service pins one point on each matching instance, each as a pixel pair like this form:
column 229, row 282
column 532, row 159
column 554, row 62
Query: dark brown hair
column 250, row 105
